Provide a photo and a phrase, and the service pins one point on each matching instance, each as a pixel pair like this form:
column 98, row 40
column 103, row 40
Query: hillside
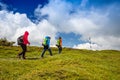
column 72, row 64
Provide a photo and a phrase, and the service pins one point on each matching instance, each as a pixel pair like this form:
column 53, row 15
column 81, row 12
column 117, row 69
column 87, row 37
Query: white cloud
column 14, row 25
column 95, row 23
column 87, row 46
column 57, row 10
column 102, row 25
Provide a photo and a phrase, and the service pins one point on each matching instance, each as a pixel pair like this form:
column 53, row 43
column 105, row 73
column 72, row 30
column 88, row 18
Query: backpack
column 44, row 42
column 58, row 43
column 20, row 40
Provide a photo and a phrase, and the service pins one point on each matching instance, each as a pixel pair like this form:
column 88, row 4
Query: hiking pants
column 24, row 49
column 45, row 51
column 59, row 50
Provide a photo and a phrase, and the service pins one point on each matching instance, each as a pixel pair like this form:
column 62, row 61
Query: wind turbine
column 90, row 42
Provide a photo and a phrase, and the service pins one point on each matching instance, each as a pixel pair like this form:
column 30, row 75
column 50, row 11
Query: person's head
column 48, row 37
column 60, row 38
column 26, row 33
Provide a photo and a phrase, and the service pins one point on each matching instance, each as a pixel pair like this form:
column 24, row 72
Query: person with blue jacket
column 46, row 44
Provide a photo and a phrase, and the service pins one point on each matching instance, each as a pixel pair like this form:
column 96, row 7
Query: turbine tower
column 90, row 42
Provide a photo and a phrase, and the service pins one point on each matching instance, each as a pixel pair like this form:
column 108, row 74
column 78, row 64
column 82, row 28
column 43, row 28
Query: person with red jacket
column 24, row 45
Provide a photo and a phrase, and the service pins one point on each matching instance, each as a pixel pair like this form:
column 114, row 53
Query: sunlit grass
column 72, row 64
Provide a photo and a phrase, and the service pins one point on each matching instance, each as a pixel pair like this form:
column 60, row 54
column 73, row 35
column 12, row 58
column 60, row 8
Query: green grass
column 72, row 64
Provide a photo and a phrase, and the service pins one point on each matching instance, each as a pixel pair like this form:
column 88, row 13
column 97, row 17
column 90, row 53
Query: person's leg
column 42, row 54
column 50, row 51
column 24, row 50
column 19, row 55
column 59, row 50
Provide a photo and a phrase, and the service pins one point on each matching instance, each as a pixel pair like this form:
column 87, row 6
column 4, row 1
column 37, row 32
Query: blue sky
column 24, row 6
column 74, row 20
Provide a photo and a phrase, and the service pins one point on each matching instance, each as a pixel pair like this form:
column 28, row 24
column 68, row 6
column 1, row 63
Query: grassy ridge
column 70, row 65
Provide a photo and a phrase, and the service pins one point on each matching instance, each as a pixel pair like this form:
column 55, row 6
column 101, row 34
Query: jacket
column 25, row 38
column 59, row 42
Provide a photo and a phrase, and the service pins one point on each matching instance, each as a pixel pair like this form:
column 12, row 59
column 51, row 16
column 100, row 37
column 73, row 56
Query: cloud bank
column 101, row 24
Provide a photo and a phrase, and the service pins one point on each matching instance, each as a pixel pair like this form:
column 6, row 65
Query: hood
column 47, row 37
column 26, row 33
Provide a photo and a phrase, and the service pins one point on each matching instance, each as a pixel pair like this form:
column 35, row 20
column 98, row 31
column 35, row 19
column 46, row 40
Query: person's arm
column 28, row 41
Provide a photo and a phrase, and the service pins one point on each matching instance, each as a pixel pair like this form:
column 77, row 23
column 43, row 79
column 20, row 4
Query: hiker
column 23, row 44
column 46, row 44
column 59, row 45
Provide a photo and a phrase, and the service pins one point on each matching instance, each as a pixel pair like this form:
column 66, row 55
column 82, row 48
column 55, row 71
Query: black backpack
column 20, row 40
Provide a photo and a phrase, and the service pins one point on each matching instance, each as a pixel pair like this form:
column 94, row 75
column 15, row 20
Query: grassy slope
column 70, row 65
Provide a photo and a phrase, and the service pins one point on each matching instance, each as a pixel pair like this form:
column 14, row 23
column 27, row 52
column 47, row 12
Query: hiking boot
column 24, row 58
